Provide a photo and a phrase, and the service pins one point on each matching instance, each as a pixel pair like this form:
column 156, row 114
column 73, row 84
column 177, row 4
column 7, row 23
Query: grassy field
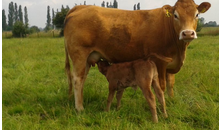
column 34, row 91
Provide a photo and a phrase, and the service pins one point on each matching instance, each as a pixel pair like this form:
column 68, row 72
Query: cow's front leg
column 170, row 80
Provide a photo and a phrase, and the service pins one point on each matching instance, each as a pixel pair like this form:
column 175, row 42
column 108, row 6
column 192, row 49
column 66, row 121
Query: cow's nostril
column 192, row 33
column 184, row 34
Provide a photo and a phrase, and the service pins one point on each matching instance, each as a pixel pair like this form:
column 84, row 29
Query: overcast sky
column 37, row 9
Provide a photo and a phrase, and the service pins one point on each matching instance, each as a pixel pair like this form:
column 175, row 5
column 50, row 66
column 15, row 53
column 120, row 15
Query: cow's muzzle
column 187, row 35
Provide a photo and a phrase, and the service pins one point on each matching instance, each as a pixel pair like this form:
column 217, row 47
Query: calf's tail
column 163, row 58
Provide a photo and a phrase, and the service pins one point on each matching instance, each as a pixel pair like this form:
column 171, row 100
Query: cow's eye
column 175, row 16
column 197, row 15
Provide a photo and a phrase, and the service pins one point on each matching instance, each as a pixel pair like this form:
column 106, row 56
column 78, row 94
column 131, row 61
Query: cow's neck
column 177, row 47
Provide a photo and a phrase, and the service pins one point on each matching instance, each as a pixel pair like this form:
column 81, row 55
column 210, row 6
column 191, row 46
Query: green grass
column 35, row 91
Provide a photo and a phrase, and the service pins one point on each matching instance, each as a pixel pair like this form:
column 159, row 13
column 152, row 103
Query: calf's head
column 103, row 66
column 184, row 15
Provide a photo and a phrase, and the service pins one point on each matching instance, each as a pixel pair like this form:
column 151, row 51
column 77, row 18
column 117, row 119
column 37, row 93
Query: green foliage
column 10, row 16
column 20, row 14
column 53, row 16
column 138, row 6
column 4, row 24
column 58, row 21
column 26, row 17
column 48, row 24
column 115, row 4
column 19, row 29
column 16, row 12
column 199, row 26
column 35, row 91
column 103, row 4
column 34, row 29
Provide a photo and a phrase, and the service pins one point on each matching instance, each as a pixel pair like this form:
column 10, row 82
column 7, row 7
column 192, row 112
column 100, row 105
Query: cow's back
column 118, row 35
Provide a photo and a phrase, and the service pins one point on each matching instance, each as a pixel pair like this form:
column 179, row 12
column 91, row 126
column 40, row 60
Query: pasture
column 35, row 91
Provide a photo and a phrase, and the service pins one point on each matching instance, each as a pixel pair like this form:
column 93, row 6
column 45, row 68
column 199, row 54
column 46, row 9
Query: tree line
column 15, row 23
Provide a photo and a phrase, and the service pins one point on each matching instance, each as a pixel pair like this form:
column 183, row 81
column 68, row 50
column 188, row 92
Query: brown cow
column 142, row 73
column 93, row 32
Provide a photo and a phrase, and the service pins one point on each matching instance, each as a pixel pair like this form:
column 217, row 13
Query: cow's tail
column 68, row 71
column 163, row 58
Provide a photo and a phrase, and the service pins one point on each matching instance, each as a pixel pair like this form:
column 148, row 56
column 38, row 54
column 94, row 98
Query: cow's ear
column 168, row 10
column 203, row 7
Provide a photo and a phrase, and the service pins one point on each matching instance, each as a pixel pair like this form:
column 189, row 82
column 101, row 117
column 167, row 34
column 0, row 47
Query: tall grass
column 34, row 91
column 42, row 34
column 209, row 31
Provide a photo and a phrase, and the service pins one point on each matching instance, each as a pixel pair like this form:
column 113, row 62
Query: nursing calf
column 142, row 73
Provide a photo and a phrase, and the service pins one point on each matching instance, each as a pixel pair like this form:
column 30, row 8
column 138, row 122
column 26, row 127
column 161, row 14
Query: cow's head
column 185, row 16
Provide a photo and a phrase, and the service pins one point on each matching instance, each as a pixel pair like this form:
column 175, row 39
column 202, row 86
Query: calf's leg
column 110, row 96
column 119, row 96
column 160, row 95
column 150, row 99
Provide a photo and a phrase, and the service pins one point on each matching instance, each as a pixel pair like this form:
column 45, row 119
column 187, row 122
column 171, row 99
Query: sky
column 37, row 9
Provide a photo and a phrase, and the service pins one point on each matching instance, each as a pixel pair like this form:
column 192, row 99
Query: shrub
column 19, row 29
column 199, row 26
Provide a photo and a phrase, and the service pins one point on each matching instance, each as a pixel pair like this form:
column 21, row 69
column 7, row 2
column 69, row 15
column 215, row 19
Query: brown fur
column 140, row 73
column 93, row 32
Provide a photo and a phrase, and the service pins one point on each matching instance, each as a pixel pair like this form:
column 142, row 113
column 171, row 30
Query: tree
column 20, row 14
column 59, row 19
column 211, row 24
column 16, row 13
column 48, row 24
column 25, row 16
column 115, row 4
column 103, row 4
column 67, row 7
column 18, row 29
column 4, row 24
column 202, row 20
column 53, row 16
column 199, row 26
column 26, row 20
column 10, row 16
column 34, row 29
column 135, row 7
column 138, row 6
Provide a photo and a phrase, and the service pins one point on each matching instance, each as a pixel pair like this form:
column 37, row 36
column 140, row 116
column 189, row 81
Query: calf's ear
column 203, row 7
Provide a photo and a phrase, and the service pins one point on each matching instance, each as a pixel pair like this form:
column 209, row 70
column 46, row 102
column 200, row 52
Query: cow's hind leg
column 170, row 78
column 79, row 77
column 79, row 74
